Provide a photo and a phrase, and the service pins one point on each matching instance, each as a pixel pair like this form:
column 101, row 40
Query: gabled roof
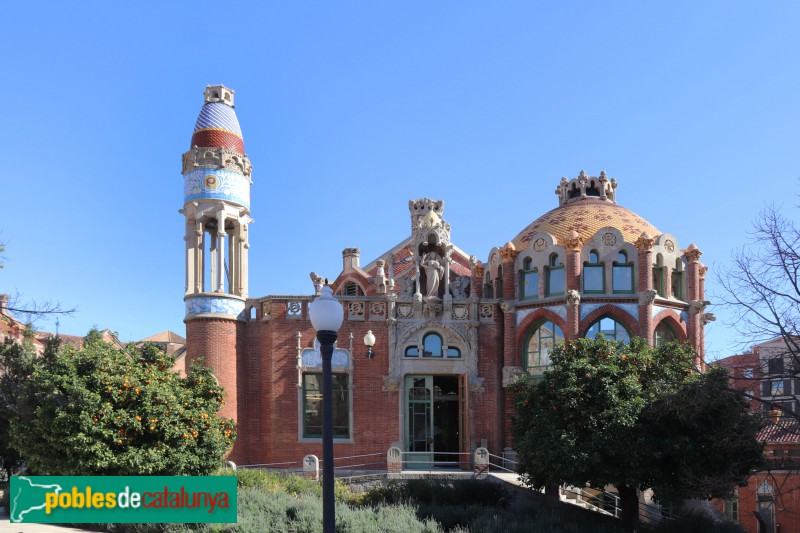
column 165, row 336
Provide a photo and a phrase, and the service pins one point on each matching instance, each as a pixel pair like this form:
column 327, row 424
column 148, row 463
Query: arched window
column 539, row 344
column 556, row 277
column 658, row 275
column 488, row 288
column 432, row 345
column 498, row 282
column 664, row 333
column 594, row 274
column 351, row 288
column 677, row 280
column 610, row 328
column 528, row 280
column 622, row 274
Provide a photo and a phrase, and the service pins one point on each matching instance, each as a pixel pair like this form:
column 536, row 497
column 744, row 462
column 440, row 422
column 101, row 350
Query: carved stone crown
column 420, row 208
column 219, row 93
column 599, row 187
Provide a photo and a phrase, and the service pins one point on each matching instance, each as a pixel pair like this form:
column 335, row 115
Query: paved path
column 8, row 527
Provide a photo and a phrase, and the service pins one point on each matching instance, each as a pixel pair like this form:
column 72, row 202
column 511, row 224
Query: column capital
column 574, row 243
column 644, row 243
column 692, row 253
column 509, row 252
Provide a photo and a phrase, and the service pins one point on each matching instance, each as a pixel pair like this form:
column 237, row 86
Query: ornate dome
column 587, row 205
column 217, row 124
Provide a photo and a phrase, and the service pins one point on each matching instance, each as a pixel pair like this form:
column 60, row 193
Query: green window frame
column 488, row 287
column 539, row 343
column 658, row 280
column 610, row 328
column 556, row 277
column 664, row 333
column 677, row 284
column 594, row 275
column 528, row 281
column 622, row 275
column 498, row 282
column 312, row 405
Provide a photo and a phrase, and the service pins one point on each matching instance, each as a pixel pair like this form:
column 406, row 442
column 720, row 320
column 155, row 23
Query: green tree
column 603, row 415
column 16, row 365
column 108, row 411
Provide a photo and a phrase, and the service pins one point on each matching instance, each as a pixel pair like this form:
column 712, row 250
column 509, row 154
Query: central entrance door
column 436, row 421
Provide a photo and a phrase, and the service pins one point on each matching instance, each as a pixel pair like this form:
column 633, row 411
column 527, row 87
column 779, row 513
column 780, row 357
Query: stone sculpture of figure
column 407, row 286
column 458, row 287
column 433, row 272
column 380, row 277
column 318, row 282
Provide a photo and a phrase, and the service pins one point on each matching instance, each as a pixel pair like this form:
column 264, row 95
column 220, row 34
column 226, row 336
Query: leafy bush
column 106, row 411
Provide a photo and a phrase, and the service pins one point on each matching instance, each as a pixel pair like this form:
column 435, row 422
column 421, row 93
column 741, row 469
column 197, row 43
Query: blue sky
column 350, row 109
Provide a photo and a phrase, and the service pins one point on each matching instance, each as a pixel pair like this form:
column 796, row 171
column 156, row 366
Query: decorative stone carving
column 431, row 310
column 355, row 310
column 703, row 271
column 708, row 317
column 510, row 375
column 432, row 263
column 380, row 278
column 539, row 245
column 698, row 305
column 294, row 310
column 487, row 311
column 216, row 158
column 390, row 384
column 509, row 252
column 647, row 297
column 608, row 239
column 476, row 384
column 407, row 286
column 507, row 307
column 644, row 243
column 574, row 243
column 669, row 246
column 377, row 310
column 692, row 253
column 405, row 310
column 460, row 312
column 573, row 297
column 458, row 287
column 266, row 310
column 318, row 282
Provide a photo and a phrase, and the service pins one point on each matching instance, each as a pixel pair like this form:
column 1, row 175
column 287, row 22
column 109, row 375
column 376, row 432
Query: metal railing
column 608, row 502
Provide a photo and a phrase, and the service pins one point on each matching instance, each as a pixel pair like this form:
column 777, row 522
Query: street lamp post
column 326, row 316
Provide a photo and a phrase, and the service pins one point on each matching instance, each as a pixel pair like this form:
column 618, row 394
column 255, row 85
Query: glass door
column 419, row 422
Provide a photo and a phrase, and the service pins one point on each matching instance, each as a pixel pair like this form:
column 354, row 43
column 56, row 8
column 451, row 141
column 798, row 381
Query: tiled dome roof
column 218, row 126
column 586, row 216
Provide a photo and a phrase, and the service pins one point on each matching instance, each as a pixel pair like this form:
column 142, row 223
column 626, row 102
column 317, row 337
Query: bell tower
column 216, row 208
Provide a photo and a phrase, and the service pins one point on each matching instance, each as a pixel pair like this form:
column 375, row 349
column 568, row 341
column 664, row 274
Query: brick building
column 452, row 330
column 771, row 495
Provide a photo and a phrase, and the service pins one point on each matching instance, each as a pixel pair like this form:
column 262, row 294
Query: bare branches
column 30, row 311
column 762, row 285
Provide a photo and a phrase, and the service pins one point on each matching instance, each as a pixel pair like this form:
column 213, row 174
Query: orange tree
column 108, row 411
column 634, row 417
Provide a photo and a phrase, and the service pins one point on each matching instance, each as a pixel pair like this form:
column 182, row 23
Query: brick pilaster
column 573, row 266
column 694, row 324
column 644, row 246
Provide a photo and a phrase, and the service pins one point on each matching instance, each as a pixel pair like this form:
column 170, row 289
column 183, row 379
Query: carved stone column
column 477, row 279
column 696, row 305
column 644, row 245
column 573, row 247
